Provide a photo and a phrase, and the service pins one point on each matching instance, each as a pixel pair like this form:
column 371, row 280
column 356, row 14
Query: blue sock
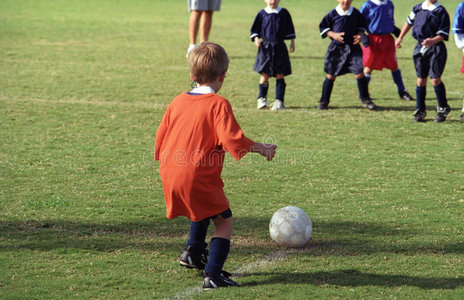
column 440, row 92
column 218, row 251
column 198, row 231
column 263, row 88
column 421, row 92
column 327, row 87
column 280, row 89
column 398, row 79
column 363, row 88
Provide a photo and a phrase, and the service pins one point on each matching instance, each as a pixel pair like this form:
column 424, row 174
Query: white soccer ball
column 291, row 227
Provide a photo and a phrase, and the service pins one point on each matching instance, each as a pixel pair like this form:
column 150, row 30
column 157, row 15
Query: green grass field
column 83, row 87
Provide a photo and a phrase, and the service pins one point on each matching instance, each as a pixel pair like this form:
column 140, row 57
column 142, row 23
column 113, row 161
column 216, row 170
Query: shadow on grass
column 329, row 238
column 354, row 278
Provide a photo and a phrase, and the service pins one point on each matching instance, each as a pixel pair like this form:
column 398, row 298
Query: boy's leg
column 194, row 254
column 327, row 88
column 363, row 88
column 194, row 23
column 263, row 89
column 214, row 276
column 398, row 79
column 279, row 93
column 367, row 74
column 443, row 108
column 205, row 24
column 421, row 93
column 220, row 244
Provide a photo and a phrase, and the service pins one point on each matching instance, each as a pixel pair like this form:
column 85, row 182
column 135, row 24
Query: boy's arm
column 404, row 31
column 429, row 42
column 267, row 150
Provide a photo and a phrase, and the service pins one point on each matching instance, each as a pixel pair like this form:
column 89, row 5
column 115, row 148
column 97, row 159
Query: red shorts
column 462, row 68
column 381, row 52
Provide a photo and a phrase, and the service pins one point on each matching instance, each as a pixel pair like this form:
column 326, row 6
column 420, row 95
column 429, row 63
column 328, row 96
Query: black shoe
column 419, row 115
column 216, row 281
column 368, row 104
column 442, row 113
column 193, row 259
column 405, row 96
column 462, row 117
column 323, row 105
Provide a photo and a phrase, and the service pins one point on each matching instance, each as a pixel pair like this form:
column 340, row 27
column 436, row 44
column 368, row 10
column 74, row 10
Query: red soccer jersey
column 190, row 145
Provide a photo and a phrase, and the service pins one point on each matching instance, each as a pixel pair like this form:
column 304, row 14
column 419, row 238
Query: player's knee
column 436, row 81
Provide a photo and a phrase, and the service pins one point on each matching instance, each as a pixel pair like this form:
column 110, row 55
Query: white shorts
column 204, row 4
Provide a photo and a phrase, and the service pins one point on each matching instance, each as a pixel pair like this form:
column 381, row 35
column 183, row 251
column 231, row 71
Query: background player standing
column 430, row 25
column 345, row 26
column 270, row 28
column 380, row 51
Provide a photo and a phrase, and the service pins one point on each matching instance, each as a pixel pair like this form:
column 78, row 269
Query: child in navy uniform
column 430, row 25
column 380, row 51
column 345, row 26
column 271, row 27
column 458, row 30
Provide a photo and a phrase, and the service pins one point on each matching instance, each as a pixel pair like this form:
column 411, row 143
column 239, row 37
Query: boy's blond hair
column 207, row 62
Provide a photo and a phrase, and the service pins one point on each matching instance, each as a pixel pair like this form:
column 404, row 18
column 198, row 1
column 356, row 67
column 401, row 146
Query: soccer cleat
column 419, row 115
column 193, row 259
column 278, row 105
column 262, row 103
column 442, row 113
column 405, row 96
column 323, row 105
column 368, row 104
column 216, row 281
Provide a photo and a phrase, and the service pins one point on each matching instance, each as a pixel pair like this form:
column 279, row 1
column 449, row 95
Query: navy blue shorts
column 342, row 59
column 225, row 214
column 272, row 59
column 431, row 63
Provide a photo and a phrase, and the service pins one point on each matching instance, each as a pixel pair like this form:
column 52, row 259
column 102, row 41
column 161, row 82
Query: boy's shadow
column 354, row 278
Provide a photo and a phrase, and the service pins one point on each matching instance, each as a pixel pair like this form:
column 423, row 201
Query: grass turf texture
column 83, row 87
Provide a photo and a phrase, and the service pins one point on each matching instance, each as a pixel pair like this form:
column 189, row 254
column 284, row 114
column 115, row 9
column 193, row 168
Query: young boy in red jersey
column 195, row 132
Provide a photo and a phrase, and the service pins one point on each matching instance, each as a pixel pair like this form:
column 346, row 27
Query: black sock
column 218, row 251
column 263, row 88
column 421, row 92
column 363, row 87
column 280, row 89
column 440, row 92
column 327, row 87
column 198, row 231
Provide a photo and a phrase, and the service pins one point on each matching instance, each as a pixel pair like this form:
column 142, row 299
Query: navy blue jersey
column 350, row 22
column 273, row 25
column 429, row 22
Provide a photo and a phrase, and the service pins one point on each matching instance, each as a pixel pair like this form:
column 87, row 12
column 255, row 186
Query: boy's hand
column 292, row 45
column 267, row 150
column 357, row 39
column 338, row 36
column 257, row 42
column 398, row 42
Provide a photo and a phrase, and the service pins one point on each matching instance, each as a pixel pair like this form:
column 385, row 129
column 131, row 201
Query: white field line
column 241, row 272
